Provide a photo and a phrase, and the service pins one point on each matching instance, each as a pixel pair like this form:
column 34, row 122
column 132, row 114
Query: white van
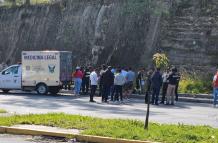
column 42, row 71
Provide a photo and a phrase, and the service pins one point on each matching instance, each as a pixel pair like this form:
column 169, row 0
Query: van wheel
column 54, row 90
column 42, row 89
column 5, row 90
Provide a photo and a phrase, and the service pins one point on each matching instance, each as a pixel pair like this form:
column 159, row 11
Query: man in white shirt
column 94, row 83
column 165, row 85
column 119, row 81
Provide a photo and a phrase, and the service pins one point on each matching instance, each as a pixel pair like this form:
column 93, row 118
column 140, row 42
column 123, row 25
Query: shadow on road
column 78, row 104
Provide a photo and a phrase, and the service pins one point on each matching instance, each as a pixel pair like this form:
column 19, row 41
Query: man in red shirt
column 215, row 89
column 77, row 75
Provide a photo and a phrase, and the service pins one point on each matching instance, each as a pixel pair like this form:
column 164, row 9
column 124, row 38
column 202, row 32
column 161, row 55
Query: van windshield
column 10, row 71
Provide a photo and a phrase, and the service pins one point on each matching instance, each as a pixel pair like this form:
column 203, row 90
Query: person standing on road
column 140, row 81
column 113, row 70
column 165, row 85
column 103, row 69
column 171, row 86
column 130, row 77
column 107, row 82
column 77, row 75
column 177, row 85
column 215, row 89
column 85, row 81
column 124, row 72
column 119, row 81
column 94, row 83
column 156, row 81
column 148, row 85
column 82, row 69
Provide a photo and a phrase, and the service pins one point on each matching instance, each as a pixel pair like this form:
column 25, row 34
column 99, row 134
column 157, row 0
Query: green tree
column 160, row 60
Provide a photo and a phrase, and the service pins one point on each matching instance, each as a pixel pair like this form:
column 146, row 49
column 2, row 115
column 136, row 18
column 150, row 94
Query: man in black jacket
column 156, row 81
column 148, row 86
column 177, row 85
column 173, row 79
column 103, row 69
column 107, row 82
column 85, row 81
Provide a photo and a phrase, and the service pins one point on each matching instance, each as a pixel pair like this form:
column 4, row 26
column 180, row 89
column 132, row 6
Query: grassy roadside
column 128, row 129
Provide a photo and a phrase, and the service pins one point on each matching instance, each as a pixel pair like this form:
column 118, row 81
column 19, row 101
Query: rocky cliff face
column 96, row 31
column 190, row 34
column 118, row 32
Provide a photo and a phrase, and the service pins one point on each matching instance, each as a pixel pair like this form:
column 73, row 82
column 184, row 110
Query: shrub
column 195, row 84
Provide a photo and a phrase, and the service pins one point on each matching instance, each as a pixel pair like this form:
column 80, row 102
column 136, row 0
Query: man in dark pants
column 107, row 82
column 85, row 81
column 119, row 81
column 148, row 85
column 94, row 83
column 118, row 93
column 112, row 91
column 156, row 81
column 177, row 84
column 103, row 69
column 139, row 78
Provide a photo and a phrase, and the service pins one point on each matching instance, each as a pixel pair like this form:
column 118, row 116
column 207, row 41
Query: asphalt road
column 13, row 139
column 186, row 113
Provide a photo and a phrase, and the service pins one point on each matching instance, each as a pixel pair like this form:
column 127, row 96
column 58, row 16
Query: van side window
column 15, row 70
column 12, row 71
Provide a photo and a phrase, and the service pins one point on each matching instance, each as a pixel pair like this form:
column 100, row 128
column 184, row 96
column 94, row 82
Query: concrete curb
column 97, row 139
column 86, row 138
column 184, row 98
column 20, row 131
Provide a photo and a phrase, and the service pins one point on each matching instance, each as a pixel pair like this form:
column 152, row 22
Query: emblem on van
column 51, row 68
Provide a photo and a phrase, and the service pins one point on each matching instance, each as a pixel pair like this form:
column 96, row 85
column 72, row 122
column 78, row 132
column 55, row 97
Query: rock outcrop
column 117, row 32
column 190, row 34
column 96, row 31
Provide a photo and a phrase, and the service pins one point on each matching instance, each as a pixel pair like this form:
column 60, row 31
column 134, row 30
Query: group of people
column 168, row 81
column 118, row 84
column 112, row 82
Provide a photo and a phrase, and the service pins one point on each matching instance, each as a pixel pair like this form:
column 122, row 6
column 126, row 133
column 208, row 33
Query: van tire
column 5, row 90
column 42, row 89
column 54, row 90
